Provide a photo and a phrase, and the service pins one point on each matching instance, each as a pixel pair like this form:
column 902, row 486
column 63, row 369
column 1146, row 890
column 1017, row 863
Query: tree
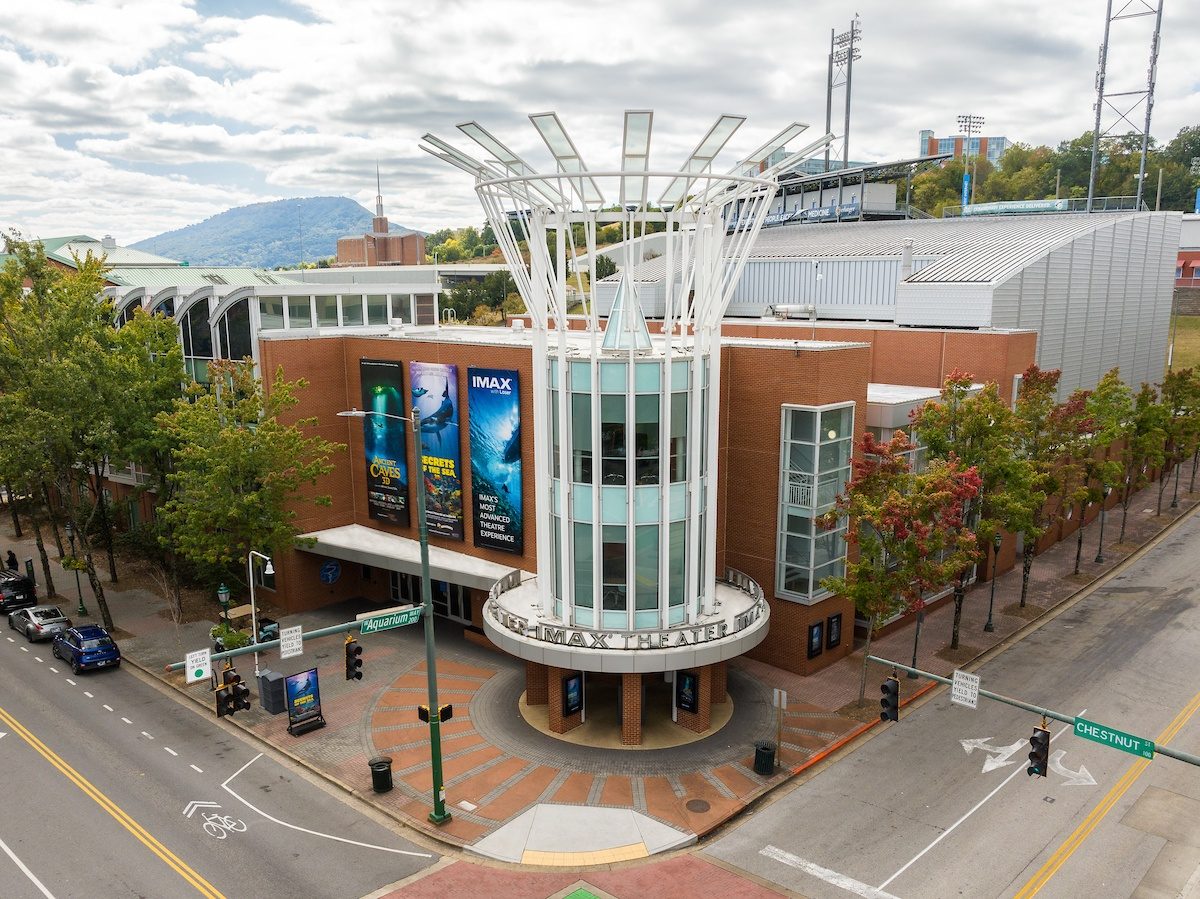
column 1180, row 395
column 1145, row 446
column 239, row 467
column 906, row 534
column 981, row 431
column 1109, row 407
column 604, row 267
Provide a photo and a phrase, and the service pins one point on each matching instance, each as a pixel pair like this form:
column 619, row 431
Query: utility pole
column 971, row 124
column 829, row 94
column 843, row 50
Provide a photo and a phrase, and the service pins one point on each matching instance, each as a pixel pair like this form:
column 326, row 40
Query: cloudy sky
column 134, row 117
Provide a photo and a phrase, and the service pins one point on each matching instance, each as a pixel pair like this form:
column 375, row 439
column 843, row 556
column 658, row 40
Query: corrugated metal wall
column 850, row 288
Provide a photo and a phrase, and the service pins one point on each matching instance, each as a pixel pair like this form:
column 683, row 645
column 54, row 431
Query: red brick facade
column 631, row 709
column 559, row 723
column 700, row 720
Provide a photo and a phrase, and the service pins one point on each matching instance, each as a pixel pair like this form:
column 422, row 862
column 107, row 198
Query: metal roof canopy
column 882, row 171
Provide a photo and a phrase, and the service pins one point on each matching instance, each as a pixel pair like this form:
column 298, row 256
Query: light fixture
column 832, row 434
column 269, row 569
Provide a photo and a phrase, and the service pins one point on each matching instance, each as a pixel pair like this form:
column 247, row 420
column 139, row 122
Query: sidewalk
column 518, row 795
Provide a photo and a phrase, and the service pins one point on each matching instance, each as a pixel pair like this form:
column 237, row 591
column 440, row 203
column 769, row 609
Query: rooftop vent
column 108, row 242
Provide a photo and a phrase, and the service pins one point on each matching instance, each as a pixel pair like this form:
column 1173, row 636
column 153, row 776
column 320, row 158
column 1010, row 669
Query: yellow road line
column 1089, row 824
column 176, row 864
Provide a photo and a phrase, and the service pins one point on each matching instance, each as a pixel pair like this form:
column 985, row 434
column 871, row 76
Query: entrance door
column 449, row 600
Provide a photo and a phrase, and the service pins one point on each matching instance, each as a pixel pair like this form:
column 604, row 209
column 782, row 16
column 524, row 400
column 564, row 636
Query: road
column 918, row 812
column 111, row 787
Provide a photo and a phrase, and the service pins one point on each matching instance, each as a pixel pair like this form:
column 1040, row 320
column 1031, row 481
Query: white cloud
column 138, row 116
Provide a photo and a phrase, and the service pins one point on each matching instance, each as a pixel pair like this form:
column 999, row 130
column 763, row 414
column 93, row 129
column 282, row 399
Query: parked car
column 16, row 591
column 39, row 622
column 85, row 647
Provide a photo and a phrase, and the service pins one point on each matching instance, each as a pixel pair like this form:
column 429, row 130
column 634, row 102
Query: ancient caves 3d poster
column 383, row 439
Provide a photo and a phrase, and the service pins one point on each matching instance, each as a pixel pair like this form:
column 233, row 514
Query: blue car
column 86, row 647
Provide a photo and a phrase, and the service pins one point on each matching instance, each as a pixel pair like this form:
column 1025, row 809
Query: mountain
column 267, row 234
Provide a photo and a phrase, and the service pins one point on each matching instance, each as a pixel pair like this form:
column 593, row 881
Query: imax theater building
column 623, row 487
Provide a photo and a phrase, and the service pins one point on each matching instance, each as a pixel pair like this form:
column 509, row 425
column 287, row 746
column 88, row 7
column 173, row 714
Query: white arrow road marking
column 953, row 827
column 315, row 833
column 24, row 870
column 849, row 884
column 1081, row 778
column 198, row 803
column 1003, row 754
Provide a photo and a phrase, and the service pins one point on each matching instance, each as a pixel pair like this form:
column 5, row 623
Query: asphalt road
column 113, row 788
column 916, row 812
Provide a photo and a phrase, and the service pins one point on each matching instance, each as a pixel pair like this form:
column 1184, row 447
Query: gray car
column 39, row 622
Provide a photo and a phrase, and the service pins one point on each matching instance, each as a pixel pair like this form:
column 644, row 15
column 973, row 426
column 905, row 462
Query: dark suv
column 16, row 591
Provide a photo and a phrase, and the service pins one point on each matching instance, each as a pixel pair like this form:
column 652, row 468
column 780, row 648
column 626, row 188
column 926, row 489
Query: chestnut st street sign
column 1099, row 733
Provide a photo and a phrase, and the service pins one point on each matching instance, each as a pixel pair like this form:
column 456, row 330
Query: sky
column 135, row 117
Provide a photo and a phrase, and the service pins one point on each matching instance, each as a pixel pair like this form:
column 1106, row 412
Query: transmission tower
column 1127, row 102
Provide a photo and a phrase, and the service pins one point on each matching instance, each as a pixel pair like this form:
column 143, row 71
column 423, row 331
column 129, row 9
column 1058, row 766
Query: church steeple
column 379, row 225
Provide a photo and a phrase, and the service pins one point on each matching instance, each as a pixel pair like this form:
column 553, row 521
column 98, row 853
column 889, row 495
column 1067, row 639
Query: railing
column 800, row 490
column 1028, row 207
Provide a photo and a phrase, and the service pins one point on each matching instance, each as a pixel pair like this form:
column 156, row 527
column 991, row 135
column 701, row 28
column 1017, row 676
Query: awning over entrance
column 367, row 546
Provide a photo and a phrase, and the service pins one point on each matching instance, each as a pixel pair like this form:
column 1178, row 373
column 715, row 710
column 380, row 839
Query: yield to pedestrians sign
column 964, row 689
column 291, row 642
column 198, row 666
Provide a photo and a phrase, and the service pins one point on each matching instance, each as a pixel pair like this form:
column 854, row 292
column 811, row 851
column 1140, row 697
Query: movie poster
column 434, row 388
column 494, row 411
column 383, row 440
column 303, row 696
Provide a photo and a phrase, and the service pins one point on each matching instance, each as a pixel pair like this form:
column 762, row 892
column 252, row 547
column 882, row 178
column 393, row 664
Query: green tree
column 240, row 467
column 1180, row 396
column 1110, row 406
column 605, row 267
column 1145, row 446
column 906, row 535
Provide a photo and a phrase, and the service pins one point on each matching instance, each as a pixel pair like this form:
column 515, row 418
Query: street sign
column 964, row 690
column 198, row 666
column 291, row 642
column 1099, row 733
column 392, row 619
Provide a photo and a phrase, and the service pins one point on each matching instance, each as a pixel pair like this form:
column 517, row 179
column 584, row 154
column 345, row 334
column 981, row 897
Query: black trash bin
column 381, row 773
column 764, row 758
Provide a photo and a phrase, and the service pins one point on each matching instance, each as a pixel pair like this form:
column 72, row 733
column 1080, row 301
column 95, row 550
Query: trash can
column 271, row 692
column 764, row 758
column 381, row 773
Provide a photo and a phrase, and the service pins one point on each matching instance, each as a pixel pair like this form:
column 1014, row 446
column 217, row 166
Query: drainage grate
column 697, row 805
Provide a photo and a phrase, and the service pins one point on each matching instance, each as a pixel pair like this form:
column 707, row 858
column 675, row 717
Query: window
column 270, row 312
column 646, row 438
column 377, row 310
column 679, row 418
column 235, row 332
column 815, row 461
column 677, row 551
column 583, row 564
column 614, row 586
column 404, row 588
column 581, row 438
column 299, row 312
column 352, row 310
column 327, row 313
column 612, row 439
column 646, row 568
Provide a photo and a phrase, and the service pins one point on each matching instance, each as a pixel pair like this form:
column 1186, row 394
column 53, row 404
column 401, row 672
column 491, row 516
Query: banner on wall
column 434, row 388
column 494, row 412
column 383, row 440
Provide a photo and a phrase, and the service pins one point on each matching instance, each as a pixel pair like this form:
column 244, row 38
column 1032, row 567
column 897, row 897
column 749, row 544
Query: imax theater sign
column 633, row 640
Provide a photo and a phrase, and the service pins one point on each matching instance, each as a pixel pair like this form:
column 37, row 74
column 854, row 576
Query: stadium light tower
column 970, row 124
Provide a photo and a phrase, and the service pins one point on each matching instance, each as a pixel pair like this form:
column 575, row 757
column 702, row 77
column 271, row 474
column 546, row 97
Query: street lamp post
column 70, row 529
column 268, row 569
column 223, row 599
column 439, row 815
column 1103, row 513
column 996, row 541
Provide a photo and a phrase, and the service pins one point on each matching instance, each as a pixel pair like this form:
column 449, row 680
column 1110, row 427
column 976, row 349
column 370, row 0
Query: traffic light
column 445, row 712
column 1039, row 752
column 224, row 703
column 353, row 659
column 234, row 696
column 891, row 700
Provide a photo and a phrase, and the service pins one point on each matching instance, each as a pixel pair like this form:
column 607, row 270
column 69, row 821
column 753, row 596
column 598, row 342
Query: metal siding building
column 1096, row 288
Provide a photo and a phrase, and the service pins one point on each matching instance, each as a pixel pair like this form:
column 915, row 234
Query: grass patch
column 1187, row 342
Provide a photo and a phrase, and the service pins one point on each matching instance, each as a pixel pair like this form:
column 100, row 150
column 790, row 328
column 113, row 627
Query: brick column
column 720, row 690
column 535, row 683
column 554, row 702
column 700, row 720
column 631, row 709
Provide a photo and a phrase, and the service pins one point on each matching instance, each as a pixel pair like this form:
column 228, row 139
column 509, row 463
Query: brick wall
column 755, row 382
column 535, row 684
column 331, row 365
column 720, row 680
column 631, row 709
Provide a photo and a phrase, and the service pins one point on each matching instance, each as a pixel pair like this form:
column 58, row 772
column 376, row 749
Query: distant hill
column 267, row 234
